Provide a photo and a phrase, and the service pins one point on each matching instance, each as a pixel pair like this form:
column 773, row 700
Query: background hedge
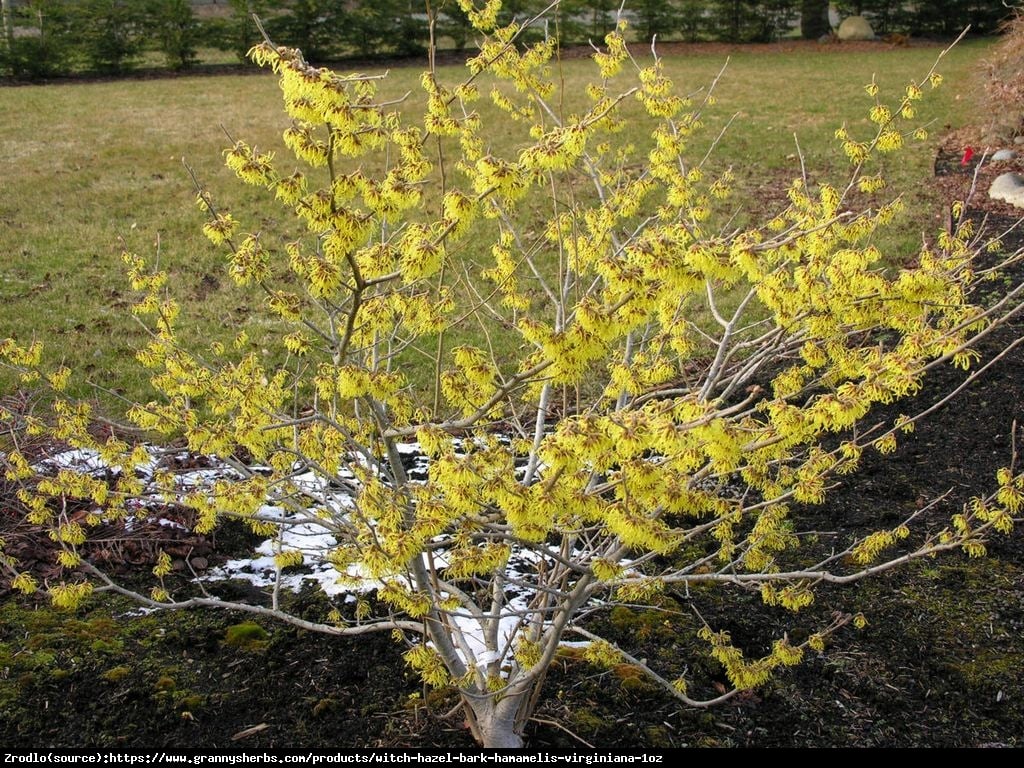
column 46, row 38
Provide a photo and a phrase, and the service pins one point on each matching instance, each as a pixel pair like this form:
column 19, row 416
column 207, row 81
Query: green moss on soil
column 116, row 674
column 247, row 636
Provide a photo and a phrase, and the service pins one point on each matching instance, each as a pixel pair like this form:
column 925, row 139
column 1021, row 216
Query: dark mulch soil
column 939, row 663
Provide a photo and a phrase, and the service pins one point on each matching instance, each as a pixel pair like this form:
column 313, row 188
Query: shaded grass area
column 93, row 168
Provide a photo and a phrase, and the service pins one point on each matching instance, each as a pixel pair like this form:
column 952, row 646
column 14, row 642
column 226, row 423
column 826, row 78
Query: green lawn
column 90, row 168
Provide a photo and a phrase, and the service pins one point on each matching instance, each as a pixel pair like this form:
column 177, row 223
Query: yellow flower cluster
column 743, row 674
column 470, row 385
column 428, row 664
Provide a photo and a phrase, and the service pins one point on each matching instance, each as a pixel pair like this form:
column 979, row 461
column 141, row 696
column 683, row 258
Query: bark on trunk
column 494, row 722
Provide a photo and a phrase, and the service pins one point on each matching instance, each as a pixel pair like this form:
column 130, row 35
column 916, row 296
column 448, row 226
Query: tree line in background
column 44, row 38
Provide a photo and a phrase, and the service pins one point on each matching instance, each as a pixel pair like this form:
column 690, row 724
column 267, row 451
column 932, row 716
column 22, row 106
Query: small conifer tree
column 621, row 394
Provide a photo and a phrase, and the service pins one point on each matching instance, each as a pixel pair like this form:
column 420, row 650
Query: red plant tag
column 968, row 154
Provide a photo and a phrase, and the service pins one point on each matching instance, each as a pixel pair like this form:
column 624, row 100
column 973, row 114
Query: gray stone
column 856, row 28
column 1003, row 155
column 1009, row 188
column 1018, row 140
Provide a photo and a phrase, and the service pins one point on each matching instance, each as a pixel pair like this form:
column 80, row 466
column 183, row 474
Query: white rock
column 856, row 28
column 1009, row 188
column 1003, row 155
column 1018, row 140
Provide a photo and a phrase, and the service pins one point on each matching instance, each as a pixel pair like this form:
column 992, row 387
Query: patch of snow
column 313, row 537
column 78, row 459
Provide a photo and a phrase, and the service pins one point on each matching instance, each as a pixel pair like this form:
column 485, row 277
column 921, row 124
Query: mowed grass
column 90, row 169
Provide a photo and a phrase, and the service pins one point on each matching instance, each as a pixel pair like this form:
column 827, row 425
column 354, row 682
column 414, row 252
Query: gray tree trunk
column 494, row 722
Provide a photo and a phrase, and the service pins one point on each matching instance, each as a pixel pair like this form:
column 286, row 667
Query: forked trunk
column 494, row 722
